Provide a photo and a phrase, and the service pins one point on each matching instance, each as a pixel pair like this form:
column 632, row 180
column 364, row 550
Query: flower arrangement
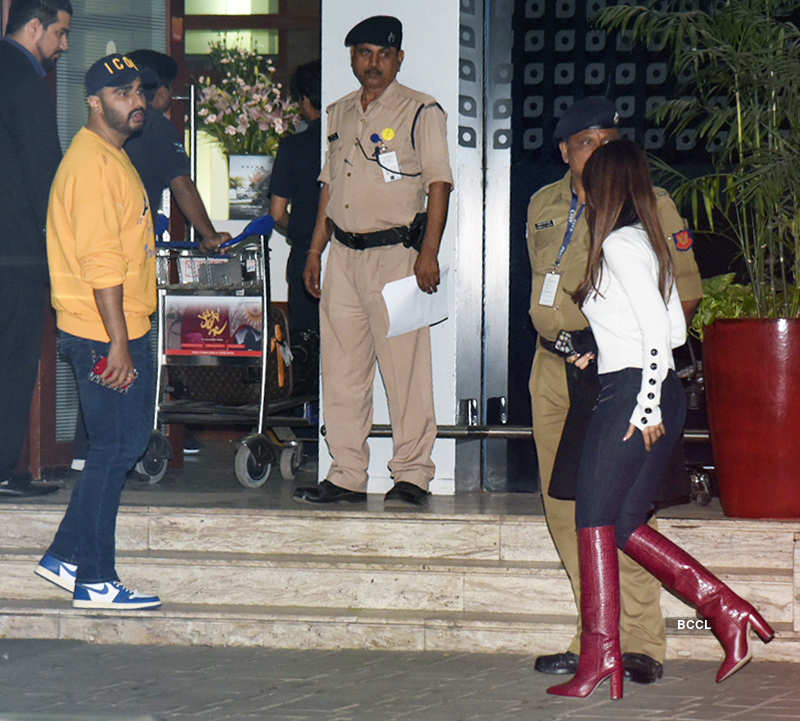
column 245, row 109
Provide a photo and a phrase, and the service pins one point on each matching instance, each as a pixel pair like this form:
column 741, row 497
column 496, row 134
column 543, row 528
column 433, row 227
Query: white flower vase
column 248, row 185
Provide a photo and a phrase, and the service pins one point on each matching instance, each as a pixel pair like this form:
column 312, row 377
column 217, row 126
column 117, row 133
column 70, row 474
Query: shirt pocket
column 408, row 159
column 546, row 243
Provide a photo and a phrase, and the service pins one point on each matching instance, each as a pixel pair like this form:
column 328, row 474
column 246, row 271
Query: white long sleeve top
column 632, row 325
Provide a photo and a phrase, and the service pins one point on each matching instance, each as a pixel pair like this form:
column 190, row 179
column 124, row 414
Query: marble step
column 387, row 584
column 331, row 628
column 725, row 543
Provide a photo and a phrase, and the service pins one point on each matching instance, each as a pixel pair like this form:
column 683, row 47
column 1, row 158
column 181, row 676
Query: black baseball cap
column 383, row 30
column 596, row 112
column 112, row 71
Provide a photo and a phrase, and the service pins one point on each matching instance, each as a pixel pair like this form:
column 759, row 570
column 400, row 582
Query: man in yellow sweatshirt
column 100, row 249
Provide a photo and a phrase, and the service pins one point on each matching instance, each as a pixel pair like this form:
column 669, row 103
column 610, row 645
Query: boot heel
column 616, row 684
column 762, row 628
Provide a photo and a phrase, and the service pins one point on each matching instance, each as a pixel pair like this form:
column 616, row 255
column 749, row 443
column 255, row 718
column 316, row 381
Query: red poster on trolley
column 214, row 326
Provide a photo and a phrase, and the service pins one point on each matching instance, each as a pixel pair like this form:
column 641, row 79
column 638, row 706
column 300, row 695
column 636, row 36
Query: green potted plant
column 737, row 65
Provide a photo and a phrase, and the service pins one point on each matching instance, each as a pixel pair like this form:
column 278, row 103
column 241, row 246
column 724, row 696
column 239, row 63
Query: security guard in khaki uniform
column 558, row 243
column 387, row 153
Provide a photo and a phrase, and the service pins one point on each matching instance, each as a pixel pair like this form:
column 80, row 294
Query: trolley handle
column 258, row 226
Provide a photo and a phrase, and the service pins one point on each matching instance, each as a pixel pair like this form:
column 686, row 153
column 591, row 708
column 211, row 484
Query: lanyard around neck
column 574, row 216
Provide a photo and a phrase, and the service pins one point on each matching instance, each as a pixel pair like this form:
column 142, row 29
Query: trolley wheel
column 153, row 464
column 291, row 460
column 253, row 463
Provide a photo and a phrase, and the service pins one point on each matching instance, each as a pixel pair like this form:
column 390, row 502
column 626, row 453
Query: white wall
column 430, row 42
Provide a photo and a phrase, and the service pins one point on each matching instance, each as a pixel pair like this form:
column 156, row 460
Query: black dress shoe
column 557, row 663
column 327, row 492
column 404, row 492
column 21, row 486
column 640, row 668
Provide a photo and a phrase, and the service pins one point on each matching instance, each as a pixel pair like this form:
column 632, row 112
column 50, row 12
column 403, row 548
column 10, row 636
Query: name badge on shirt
column 548, row 295
column 390, row 166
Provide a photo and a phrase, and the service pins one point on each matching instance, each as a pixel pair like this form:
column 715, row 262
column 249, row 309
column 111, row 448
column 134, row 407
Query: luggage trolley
column 223, row 356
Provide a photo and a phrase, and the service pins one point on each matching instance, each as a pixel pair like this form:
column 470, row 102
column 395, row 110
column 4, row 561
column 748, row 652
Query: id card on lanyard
column 552, row 279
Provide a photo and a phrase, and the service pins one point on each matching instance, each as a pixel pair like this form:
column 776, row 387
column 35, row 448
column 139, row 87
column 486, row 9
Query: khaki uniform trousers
column 353, row 326
column 641, row 623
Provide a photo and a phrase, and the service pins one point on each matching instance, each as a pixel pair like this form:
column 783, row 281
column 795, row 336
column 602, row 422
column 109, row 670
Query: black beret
column 383, row 30
column 157, row 69
column 112, row 71
column 595, row 112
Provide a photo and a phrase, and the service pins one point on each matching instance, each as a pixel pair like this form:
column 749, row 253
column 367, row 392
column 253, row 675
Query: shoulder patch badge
column 683, row 239
column 544, row 224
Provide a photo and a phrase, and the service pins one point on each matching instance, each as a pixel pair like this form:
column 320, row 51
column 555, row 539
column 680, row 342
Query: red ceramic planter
column 752, row 377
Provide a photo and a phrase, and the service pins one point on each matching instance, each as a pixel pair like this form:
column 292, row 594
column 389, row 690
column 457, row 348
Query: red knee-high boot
column 730, row 615
column 600, row 652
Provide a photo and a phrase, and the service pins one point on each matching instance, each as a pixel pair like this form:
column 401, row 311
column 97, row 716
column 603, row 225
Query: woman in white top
column 628, row 294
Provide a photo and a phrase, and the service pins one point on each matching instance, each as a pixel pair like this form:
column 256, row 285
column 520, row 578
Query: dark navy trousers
column 119, row 427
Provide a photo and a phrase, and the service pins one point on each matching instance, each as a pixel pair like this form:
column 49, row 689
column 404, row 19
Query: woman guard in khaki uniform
column 558, row 243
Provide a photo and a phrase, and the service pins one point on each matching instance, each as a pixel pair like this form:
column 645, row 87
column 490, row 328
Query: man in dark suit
column 37, row 35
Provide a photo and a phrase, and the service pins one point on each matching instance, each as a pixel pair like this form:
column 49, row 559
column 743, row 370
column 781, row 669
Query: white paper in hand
column 409, row 308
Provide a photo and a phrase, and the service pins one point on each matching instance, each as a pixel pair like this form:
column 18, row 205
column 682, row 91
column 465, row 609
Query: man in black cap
column 158, row 155
column 101, row 255
column 387, row 154
column 38, row 33
column 558, row 243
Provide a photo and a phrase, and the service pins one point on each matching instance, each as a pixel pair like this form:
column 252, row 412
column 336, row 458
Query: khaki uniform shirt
column 548, row 212
column 361, row 201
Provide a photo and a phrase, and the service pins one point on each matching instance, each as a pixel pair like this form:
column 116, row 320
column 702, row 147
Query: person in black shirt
column 158, row 153
column 38, row 33
column 294, row 180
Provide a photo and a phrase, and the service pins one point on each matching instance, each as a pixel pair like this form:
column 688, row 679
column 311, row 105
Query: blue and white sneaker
column 57, row 571
column 111, row 595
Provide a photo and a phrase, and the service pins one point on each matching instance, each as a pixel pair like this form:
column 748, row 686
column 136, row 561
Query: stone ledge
column 299, row 628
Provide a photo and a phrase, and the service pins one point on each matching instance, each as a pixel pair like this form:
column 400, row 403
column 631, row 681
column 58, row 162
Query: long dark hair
column 619, row 192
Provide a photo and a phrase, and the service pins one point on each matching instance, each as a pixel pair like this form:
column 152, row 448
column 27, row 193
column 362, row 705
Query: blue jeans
column 119, row 426
column 618, row 481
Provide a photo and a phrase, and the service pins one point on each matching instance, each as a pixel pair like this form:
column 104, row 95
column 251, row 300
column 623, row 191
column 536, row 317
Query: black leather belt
column 409, row 235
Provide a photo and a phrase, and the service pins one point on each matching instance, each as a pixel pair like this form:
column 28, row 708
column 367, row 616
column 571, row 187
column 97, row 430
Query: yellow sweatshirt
column 99, row 235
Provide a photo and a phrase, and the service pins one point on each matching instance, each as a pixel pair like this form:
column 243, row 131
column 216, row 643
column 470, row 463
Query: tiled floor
column 208, row 479
column 65, row 680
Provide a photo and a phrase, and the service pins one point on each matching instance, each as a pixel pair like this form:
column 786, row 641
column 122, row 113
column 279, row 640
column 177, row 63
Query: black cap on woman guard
column 590, row 113
column 383, row 30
